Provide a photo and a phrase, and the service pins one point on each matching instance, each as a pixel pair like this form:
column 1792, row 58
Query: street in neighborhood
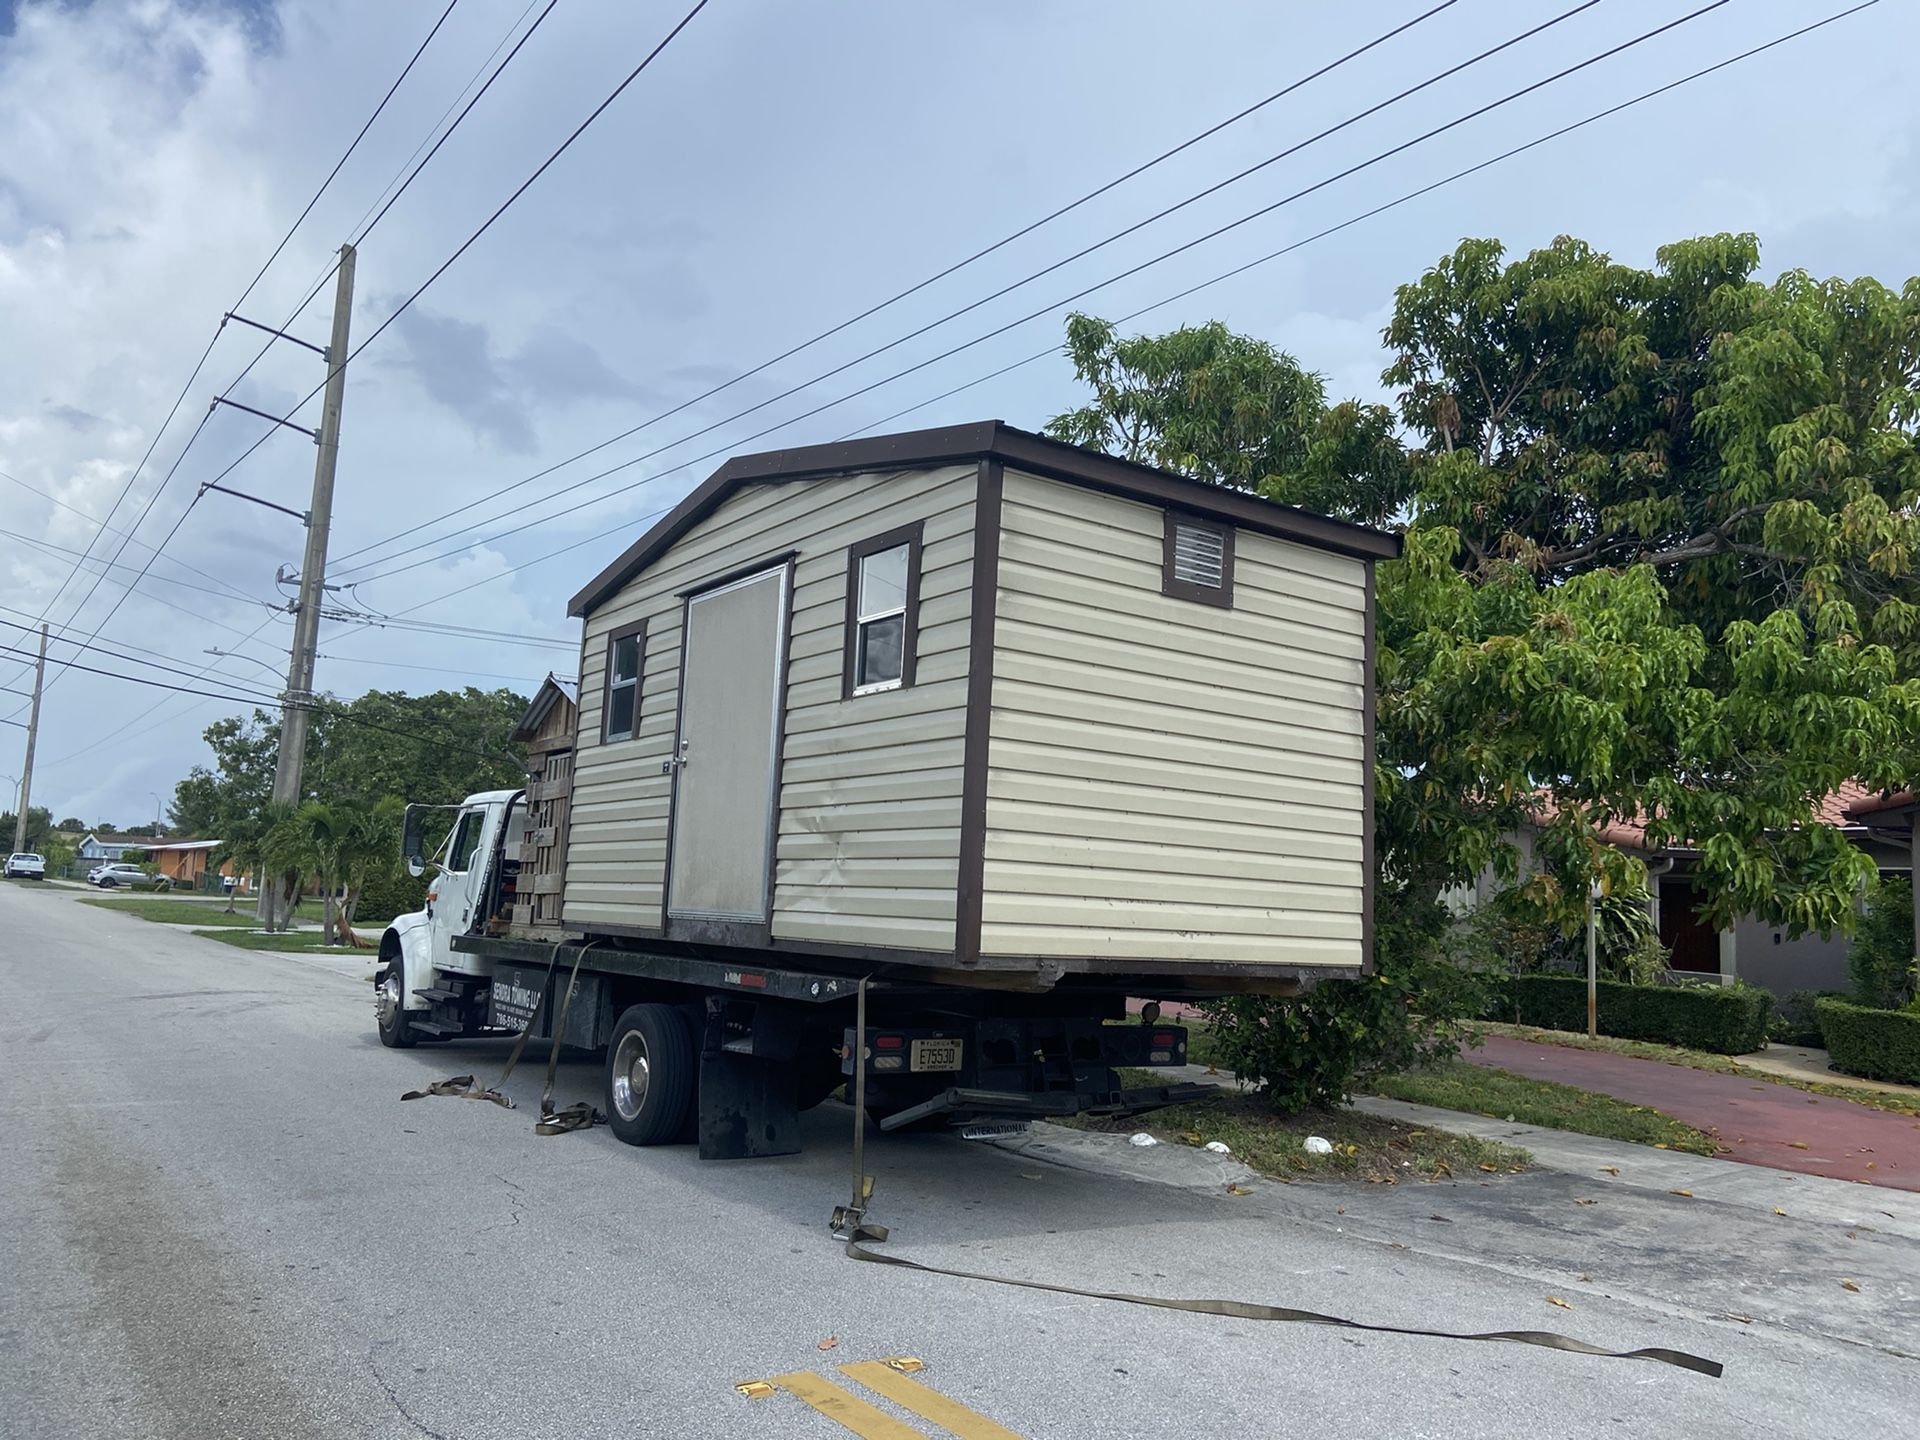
column 221, row 1220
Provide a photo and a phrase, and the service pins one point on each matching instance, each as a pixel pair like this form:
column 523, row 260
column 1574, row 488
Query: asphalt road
column 217, row 1219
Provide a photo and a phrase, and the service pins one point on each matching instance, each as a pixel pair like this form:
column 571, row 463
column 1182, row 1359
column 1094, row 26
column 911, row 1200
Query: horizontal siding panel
column 822, row 929
column 878, row 901
column 840, row 819
column 1191, row 709
column 1029, row 716
column 929, row 844
column 895, row 787
column 1045, row 819
column 1070, row 609
column 1151, row 859
column 1266, row 678
column 944, row 752
column 1032, row 566
column 1272, row 564
column 1148, row 947
column 1006, row 908
column 1051, row 774
column 1196, row 895
column 946, row 725
column 1145, row 806
column 882, row 709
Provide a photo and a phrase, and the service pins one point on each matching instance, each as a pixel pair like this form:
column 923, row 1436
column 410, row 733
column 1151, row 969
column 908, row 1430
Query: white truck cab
column 475, row 875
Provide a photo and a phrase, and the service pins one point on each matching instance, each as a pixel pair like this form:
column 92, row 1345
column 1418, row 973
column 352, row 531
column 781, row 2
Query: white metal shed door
column 730, row 696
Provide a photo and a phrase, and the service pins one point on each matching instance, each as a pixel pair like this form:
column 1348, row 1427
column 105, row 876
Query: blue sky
column 780, row 168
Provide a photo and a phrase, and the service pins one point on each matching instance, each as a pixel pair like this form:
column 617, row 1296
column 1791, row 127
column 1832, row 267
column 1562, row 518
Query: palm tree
column 371, row 851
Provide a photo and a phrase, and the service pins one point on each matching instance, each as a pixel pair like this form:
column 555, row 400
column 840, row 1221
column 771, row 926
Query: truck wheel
column 650, row 1074
column 389, row 1008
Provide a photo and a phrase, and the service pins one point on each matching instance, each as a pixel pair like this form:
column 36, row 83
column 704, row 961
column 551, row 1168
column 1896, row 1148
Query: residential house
column 100, row 846
column 184, row 862
column 1750, row 948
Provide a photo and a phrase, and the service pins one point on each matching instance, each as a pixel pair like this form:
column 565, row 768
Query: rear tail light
column 889, row 1042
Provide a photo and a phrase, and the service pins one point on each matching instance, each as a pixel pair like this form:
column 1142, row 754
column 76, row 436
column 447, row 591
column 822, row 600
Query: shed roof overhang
column 986, row 440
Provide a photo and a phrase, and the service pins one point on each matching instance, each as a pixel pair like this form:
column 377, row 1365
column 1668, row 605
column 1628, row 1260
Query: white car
column 107, row 877
column 25, row 865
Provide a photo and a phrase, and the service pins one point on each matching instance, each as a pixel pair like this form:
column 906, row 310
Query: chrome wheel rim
column 386, row 1000
column 631, row 1076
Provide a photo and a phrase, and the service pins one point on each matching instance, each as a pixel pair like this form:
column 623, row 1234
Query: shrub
column 1311, row 1050
column 390, row 894
column 1793, row 1021
column 1881, row 960
column 1726, row 1019
column 1876, row 1044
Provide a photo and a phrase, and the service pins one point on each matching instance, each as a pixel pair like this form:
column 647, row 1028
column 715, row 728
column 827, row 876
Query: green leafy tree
column 39, row 827
column 1660, row 537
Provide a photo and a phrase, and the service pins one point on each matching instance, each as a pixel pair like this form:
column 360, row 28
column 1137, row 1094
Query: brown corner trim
column 1368, row 760
column 971, row 878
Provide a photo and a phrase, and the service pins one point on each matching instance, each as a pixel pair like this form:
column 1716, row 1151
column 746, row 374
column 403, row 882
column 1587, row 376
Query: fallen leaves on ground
column 1238, row 1190
column 1610, row 1169
column 828, row 1343
column 1850, row 1285
column 1797, row 1144
column 1688, row 1194
column 1556, row 1300
column 1582, row 1200
column 1743, row 1319
column 1778, row 1211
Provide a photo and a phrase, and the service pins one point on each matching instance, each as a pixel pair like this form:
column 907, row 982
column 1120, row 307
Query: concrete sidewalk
column 1759, row 1122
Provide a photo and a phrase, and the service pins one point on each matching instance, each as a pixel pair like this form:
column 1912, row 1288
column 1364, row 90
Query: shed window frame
column 910, row 537
column 636, row 632
column 1170, row 581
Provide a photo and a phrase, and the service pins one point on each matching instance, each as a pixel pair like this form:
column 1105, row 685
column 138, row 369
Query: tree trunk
column 326, row 912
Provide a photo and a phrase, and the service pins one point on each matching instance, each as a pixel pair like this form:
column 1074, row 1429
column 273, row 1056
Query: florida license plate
column 934, row 1055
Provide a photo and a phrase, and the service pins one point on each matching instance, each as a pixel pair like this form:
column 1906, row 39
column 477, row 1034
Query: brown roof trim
column 980, row 441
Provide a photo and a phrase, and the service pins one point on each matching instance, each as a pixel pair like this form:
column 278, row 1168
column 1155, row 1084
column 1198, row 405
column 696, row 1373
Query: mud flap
column 748, row 1107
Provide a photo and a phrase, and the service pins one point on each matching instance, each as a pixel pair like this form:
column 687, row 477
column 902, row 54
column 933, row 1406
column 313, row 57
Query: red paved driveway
column 1759, row 1122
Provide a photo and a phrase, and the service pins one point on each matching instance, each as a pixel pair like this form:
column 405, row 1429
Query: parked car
column 25, row 865
column 109, row 877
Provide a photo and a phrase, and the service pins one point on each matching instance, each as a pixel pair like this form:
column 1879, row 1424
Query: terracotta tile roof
column 1878, row 802
column 1840, row 808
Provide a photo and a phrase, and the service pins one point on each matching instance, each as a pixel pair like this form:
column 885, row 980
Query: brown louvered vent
column 1198, row 560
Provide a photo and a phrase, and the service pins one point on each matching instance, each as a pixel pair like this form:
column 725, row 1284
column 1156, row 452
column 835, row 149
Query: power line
column 52, row 499
column 917, row 287
column 486, row 225
column 200, row 364
column 113, row 654
column 524, row 523
column 626, row 526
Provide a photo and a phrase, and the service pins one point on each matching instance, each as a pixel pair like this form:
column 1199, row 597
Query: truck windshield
column 466, row 840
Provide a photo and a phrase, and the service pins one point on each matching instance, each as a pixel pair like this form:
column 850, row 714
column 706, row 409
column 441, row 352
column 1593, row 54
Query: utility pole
column 296, row 704
column 33, row 734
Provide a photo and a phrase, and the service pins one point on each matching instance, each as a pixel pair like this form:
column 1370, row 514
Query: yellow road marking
column 881, row 1378
column 844, row 1408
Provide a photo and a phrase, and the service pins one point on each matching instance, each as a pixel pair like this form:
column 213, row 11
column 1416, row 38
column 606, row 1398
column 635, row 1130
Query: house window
column 1197, row 560
column 626, row 648
column 883, row 589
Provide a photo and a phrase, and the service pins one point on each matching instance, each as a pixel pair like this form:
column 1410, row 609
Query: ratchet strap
column 1246, row 1310
column 551, row 1122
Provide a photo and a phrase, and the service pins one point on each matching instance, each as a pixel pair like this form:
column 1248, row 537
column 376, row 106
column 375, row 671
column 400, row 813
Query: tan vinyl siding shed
column 973, row 699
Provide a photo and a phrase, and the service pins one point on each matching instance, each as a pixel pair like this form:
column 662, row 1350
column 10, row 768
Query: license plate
column 934, row 1055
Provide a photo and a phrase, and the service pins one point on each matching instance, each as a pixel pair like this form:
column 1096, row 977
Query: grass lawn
column 302, row 941
column 1364, row 1146
column 189, row 910
column 1499, row 1095
column 1701, row 1060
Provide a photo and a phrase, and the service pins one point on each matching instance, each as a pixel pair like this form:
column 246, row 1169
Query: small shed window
column 883, row 586
column 1197, row 560
column 626, row 649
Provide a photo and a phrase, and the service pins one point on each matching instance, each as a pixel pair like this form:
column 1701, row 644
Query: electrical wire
column 625, row 527
column 200, row 364
column 485, row 225
column 525, row 522
column 920, row 285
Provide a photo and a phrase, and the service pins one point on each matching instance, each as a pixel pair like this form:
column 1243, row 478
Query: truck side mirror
column 411, row 849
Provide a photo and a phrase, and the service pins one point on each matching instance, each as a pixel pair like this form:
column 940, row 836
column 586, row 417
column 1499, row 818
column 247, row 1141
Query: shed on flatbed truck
column 975, row 703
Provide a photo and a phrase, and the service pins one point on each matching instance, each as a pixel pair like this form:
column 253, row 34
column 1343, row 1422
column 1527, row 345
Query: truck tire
column 650, row 1075
column 389, row 1010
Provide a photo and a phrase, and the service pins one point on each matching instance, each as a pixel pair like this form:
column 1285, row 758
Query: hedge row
column 1877, row 1044
column 1727, row 1019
